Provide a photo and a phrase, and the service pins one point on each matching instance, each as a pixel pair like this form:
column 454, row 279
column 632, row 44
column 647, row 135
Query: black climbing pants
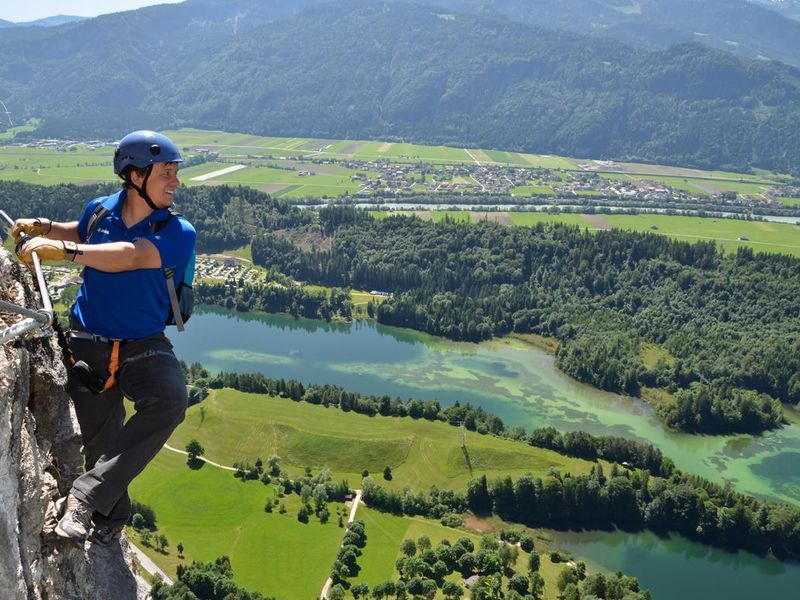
column 115, row 450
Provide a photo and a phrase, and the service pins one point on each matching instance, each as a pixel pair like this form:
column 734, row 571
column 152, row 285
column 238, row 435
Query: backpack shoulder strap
column 100, row 211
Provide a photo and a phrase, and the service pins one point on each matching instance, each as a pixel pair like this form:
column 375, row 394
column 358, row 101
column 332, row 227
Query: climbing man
column 133, row 248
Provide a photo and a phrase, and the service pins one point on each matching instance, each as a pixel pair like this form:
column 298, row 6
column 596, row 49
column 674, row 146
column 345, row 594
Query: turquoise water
column 673, row 567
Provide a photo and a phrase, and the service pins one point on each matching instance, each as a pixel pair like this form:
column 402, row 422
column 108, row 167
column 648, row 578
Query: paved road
column 328, row 582
column 147, row 564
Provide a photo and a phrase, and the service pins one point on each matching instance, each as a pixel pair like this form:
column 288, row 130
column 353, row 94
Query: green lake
column 520, row 383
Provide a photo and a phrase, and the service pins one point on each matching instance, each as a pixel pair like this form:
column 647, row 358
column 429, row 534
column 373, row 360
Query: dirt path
column 204, row 459
column 328, row 582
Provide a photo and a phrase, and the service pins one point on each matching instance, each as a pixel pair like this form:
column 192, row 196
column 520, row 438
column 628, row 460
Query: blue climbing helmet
column 141, row 149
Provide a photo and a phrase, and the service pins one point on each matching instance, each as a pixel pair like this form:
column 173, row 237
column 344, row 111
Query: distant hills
column 54, row 21
column 789, row 8
column 369, row 69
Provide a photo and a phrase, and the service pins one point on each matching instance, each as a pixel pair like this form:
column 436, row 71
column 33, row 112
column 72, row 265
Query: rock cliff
column 39, row 457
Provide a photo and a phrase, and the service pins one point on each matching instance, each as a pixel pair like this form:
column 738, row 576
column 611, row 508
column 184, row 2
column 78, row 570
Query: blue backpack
column 181, row 297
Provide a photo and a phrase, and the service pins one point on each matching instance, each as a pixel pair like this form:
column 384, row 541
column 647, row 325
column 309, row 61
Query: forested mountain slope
column 737, row 26
column 366, row 69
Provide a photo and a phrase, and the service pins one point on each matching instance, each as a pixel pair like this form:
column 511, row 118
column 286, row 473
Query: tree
column 137, row 521
column 359, row 589
column 302, row 514
column 194, row 449
column 537, row 585
column 478, row 497
column 387, row 473
column 274, row 464
column 336, row 593
column 519, row 583
column 534, row 562
column 146, row 536
column 451, row 590
column 179, row 547
column 408, row 547
column 424, row 543
column 162, row 542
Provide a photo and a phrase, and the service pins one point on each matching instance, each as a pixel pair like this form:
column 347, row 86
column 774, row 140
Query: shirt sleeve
column 175, row 243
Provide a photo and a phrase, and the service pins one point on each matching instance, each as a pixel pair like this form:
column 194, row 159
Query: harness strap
column 113, row 366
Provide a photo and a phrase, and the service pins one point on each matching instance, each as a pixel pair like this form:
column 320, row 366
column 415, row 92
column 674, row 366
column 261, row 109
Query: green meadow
column 235, row 426
column 213, row 514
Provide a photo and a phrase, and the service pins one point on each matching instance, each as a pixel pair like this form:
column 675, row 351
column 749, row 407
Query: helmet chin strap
column 142, row 191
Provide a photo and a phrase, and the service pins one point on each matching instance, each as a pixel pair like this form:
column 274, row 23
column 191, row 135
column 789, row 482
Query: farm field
column 84, row 164
column 235, row 426
column 706, row 186
column 214, row 514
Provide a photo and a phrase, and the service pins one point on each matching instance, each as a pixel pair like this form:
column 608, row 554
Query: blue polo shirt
column 131, row 304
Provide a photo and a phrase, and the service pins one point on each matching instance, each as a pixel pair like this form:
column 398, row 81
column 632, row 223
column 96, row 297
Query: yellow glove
column 31, row 227
column 48, row 250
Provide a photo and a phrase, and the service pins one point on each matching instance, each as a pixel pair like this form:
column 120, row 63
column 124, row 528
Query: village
column 407, row 178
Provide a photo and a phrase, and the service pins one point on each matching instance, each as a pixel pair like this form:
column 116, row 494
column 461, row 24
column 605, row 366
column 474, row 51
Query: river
column 520, row 383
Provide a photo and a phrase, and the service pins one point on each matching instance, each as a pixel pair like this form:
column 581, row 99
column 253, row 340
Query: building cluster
column 65, row 145
column 226, row 268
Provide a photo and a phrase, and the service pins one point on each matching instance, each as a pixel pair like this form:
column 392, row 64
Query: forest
column 726, row 326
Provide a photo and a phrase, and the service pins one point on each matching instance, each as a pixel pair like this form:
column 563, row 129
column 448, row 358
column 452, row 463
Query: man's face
column 162, row 183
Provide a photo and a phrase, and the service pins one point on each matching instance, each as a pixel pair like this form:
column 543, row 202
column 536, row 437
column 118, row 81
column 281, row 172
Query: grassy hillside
column 233, row 426
column 212, row 513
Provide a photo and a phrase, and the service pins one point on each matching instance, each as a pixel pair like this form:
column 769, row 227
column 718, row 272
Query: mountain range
column 53, row 21
column 402, row 71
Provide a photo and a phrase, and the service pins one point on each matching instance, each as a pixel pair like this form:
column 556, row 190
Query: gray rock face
column 39, row 458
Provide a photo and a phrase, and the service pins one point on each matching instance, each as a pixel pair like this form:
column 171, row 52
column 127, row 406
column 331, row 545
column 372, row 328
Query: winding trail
column 205, row 460
column 329, row 582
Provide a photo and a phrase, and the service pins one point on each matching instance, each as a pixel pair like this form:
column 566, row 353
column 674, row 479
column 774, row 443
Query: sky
column 38, row 9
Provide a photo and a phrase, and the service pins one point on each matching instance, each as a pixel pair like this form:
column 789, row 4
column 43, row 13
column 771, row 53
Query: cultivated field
column 260, row 155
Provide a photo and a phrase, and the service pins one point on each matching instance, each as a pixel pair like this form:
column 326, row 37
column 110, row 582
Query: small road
column 148, row 565
column 328, row 582
column 205, row 460
column 472, row 156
